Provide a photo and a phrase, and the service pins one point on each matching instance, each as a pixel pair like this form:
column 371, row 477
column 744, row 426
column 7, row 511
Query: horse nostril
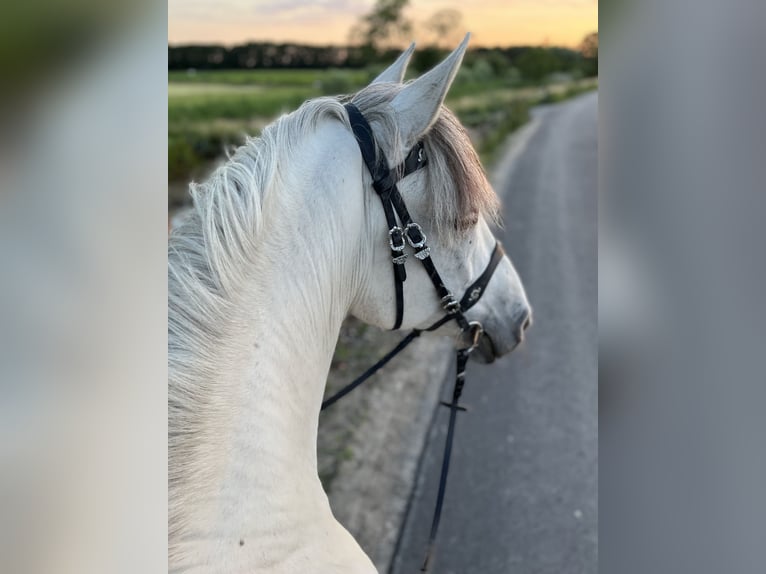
column 523, row 322
column 527, row 322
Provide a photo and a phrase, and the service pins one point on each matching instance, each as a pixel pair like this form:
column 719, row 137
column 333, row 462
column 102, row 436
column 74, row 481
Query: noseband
column 384, row 182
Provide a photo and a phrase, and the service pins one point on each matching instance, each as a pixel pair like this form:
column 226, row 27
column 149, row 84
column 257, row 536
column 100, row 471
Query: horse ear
column 417, row 105
column 395, row 72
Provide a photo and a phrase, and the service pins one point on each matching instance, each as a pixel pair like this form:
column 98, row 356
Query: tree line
column 533, row 62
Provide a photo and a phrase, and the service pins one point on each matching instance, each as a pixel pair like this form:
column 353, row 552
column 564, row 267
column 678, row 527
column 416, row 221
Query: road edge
column 514, row 146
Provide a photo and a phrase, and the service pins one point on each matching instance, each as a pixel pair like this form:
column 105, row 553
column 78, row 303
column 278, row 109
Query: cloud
column 262, row 11
column 493, row 22
column 287, row 7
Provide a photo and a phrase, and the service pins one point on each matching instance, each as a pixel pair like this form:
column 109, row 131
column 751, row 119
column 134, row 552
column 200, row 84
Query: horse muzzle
column 496, row 342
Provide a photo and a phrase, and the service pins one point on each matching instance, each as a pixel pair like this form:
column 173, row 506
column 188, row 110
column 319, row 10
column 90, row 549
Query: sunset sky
column 491, row 22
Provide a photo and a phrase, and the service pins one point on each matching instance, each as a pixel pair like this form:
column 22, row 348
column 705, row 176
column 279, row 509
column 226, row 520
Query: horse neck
column 260, row 478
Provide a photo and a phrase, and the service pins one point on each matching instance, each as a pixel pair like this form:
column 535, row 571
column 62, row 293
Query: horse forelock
column 458, row 188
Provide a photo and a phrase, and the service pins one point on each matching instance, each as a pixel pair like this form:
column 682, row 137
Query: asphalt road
column 522, row 492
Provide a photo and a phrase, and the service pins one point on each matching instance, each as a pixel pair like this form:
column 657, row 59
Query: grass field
column 289, row 78
column 211, row 110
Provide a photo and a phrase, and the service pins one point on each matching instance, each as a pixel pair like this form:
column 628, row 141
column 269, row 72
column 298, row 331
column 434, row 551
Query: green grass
column 495, row 113
column 556, row 96
column 235, row 105
column 275, row 78
column 210, row 110
column 513, row 116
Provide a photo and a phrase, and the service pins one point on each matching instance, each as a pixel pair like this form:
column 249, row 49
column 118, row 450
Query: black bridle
column 384, row 182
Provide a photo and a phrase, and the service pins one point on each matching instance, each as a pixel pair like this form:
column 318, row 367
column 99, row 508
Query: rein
column 384, row 183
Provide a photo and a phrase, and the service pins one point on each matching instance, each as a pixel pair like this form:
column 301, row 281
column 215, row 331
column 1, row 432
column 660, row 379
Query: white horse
column 286, row 240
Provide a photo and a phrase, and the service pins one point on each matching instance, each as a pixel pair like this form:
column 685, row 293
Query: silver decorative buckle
column 450, row 304
column 400, row 259
column 419, row 229
column 423, row 253
column 476, row 332
column 391, row 232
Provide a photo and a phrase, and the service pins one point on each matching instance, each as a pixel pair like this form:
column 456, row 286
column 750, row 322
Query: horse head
column 454, row 205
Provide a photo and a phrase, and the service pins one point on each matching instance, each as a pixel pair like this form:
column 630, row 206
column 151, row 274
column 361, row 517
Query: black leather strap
column 454, row 407
column 414, row 334
column 384, row 182
column 477, row 288
column 414, row 161
column 481, row 282
column 365, row 139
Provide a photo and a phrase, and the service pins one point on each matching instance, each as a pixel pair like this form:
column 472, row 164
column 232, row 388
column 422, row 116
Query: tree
column 589, row 50
column 589, row 45
column 535, row 64
column 444, row 25
column 426, row 58
column 384, row 26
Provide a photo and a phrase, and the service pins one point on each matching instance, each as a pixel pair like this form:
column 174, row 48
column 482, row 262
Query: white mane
column 208, row 258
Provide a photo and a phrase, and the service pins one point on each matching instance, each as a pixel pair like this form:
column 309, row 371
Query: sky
column 491, row 22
